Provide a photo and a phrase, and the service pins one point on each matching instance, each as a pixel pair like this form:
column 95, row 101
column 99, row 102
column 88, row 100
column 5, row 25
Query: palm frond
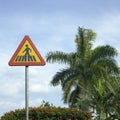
column 110, row 65
column 84, row 40
column 59, row 57
column 102, row 52
column 60, row 76
column 74, row 95
column 67, row 90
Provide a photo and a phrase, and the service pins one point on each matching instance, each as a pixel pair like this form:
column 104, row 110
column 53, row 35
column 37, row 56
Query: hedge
column 47, row 113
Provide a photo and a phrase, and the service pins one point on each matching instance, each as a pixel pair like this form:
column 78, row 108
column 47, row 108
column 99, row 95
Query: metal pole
column 27, row 92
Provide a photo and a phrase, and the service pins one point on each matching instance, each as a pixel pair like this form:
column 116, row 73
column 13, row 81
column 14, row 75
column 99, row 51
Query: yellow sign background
column 32, row 52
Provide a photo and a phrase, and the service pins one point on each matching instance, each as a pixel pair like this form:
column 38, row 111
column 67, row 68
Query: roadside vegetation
column 47, row 111
column 91, row 80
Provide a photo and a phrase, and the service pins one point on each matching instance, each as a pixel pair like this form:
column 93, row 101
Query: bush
column 47, row 113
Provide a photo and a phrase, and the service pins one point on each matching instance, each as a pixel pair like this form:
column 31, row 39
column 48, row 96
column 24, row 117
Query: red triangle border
column 12, row 63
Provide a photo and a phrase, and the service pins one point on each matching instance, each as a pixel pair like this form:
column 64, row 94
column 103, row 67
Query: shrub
column 47, row 113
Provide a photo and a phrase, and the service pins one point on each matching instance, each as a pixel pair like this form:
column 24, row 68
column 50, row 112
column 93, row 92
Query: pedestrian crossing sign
column 26, row 54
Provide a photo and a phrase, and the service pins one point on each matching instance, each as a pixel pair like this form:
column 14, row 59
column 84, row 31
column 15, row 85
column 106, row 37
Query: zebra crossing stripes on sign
column 26, row 54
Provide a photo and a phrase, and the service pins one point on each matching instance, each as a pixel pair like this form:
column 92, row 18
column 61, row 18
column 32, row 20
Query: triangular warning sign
column 26, row 54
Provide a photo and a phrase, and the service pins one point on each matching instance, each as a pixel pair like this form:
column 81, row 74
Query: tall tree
column 83, row 66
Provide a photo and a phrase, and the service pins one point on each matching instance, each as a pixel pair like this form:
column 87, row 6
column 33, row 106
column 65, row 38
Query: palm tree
column 83, row 65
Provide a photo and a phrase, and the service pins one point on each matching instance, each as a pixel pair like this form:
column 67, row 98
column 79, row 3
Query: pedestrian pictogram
column 26, row 54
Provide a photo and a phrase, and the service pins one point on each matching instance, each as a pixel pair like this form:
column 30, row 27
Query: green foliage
column 90, row 80
column 46, row 104
column 47, row 113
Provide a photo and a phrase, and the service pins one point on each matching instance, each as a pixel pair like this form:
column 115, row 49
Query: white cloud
column 32, row 103
column 107, row 29
column 39, row 88
column 10, row 89
column 35, row 102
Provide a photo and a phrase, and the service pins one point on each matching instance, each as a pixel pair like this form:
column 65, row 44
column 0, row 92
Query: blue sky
column 52, row 25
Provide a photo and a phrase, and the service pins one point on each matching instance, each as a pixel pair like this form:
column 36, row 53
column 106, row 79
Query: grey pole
column 27, row 92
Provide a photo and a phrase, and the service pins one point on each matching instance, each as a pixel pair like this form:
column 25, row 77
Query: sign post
column 26, row 55
column 27, row 92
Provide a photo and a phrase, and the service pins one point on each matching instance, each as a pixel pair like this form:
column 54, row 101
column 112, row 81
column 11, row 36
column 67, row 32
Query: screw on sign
column 26, row 55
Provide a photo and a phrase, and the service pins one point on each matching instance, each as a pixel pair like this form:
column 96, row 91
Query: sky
column 52, row 26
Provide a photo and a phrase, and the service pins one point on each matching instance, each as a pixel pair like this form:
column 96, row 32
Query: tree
column 83, row 66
